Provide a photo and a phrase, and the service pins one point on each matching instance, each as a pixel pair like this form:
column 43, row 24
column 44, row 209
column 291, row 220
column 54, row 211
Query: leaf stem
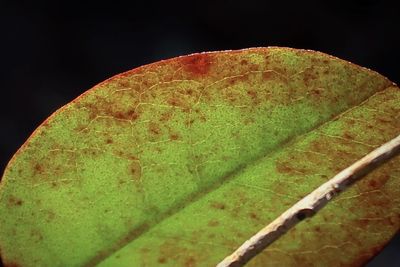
column 311, row 203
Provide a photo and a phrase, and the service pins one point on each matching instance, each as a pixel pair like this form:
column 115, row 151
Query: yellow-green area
column 178, row 162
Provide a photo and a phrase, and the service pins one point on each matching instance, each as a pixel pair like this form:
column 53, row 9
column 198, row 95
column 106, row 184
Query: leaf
column 178, row 162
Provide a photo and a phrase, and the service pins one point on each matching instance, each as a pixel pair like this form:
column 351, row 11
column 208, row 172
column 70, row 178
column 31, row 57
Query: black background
column 52, row 52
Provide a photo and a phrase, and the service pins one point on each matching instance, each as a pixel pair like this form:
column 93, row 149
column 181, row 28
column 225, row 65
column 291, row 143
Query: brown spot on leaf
column 38, row 169
column 166, row 116
column 128, row 115
column 135, row 170
column 171, row 250
column 373, row 183
column 189, row 122
column 154, row 128
column 101, row 106
column 123, row 83
column 218, row 205
column 14, row 201
column 309, row 76
column 197, row 65
column 190, row 262
column 50, row 215
column 267, row 75
column 189, row 91
column 252, row 94
column 253, row 216
column 283, row 167
column 347, row 135
column 213, row 223
column 174, row 136
column 162, row 260
column 175, row 101
column 316, row 91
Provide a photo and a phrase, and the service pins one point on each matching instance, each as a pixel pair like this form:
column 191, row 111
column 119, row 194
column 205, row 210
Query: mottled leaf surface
column 178, row 162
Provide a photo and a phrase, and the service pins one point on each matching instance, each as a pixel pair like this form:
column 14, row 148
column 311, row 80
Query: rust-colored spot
column 174, row 136
column 253, row 216
column 166, row 116
column 14, row 201
column 174, row 101
column 45, row 123
column 128, row 115
column 189, row 122
column 218, row 205
column 189, row 91
column 376, row 181
column 162, row 260
column 252, row 93
column 309, row 76
column 267, row 75
column 154, row 128
column 197, row 65
column 383, row 120
column 190, row 262
column 284, row 167
column 102, row 106
column 243, row 62
column 213, row 223
column 135, row 170
column 316, row 91
column 232, row 82
column 11, row 264
column 347, row 135
column 38, row 169
column 109, row 141
column 123, row 83
column 373, row 183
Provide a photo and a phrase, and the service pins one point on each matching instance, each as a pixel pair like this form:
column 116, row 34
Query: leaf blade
column 208, row 78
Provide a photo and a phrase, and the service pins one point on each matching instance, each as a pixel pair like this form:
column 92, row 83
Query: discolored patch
column 109, row 141
column 14, row 201
column 162, row 260
column 190, row 262
column 174, row 137
column 213, row 223
column 197, row 65
column 38, row 168
column 101, row 106
column 135, row 171
column 254, row 216
column 154, row 128
column 218, row 205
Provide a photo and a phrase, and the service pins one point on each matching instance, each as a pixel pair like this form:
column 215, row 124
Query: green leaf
column 179, row 162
